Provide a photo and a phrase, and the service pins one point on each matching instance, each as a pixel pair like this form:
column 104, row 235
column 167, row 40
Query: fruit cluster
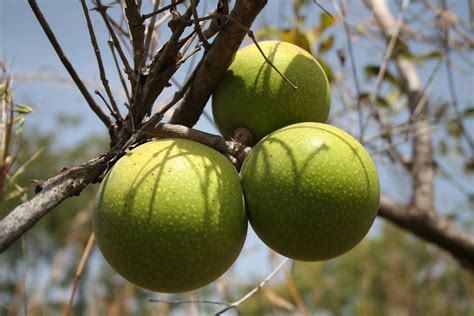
column 171, row 215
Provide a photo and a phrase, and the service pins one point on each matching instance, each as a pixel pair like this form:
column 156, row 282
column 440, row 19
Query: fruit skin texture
column 170, row 216
column 253, row 95
column 312, row 191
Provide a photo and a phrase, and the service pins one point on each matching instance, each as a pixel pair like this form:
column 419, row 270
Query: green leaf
column 23, row 109
column 266, row 33
column 373, row 71
column 381, row 101
column 453, row 128
column 423, row 57
column 469, row 112
column 326, row 44
column 296, row 37
column 326, row 21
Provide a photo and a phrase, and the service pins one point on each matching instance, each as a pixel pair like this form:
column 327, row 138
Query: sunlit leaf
column 326, row 21
column 326, row 44
column 22, row 109
column 424, row 57
column 296, row 37
column 266, row 33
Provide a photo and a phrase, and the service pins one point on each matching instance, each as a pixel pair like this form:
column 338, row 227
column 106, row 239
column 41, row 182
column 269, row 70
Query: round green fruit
column 253, row 95
column 312, row 191
column 170, row 216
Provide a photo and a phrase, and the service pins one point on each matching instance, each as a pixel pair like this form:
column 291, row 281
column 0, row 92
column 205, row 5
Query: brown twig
column 197, row 26
column 103, row 12
column 137, row 33
column 161, row 10
column 80, row 269
column 65, row 61
column 151, row 29
column 115, row 110
column 119, row 71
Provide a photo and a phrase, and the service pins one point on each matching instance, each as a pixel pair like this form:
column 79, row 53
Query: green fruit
column 312, row 191
column 253, row 95
column 170, row 216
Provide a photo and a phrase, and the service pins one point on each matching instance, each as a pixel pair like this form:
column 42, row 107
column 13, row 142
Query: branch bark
column 53, row 191
column 216, row 62
column 432, row 228
column 422, row 158
column 72, row 181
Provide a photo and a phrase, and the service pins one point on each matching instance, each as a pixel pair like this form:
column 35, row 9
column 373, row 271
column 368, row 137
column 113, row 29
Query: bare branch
column 53, row 191
column 256, row 289
column 115, row 110
column 150, row 30
column 431, row 228
column 137, row 32
column 103, row 12
column 422, row 164
column 72, row 72
column 165, row 8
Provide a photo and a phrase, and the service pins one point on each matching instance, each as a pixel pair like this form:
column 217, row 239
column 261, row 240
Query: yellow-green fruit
column 170, row 216
column 253, row 95
column 312, row 191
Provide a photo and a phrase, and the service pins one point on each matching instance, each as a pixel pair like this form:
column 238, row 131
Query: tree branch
column 216, row 62
column 70, row 69
column 137, row 32
column 72, row 181
column 422, row 160
column 432, row 228
column 53, row 191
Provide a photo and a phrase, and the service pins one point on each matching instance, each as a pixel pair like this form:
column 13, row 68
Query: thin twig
column 115, row 110
column 347, row 31
column 151, row 29
column 65, row 61
column 170, row 6
column 452, row 88
column 197, row 26
column 104, row 100
column 102, row 10
column 80, row 269
column 323, row 8
column 188, row 302
column 254, row 290
column 119, row 71
column 386, row 57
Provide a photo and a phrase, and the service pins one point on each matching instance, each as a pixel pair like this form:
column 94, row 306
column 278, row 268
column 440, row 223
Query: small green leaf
column 266, row 33
column 326, row 44
column 373, row 71
column 380, row 101
column 326, row 21
column 23, row 109
column 423, row 57
column 296, row 37
column 469, row 112
column 453, row 128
